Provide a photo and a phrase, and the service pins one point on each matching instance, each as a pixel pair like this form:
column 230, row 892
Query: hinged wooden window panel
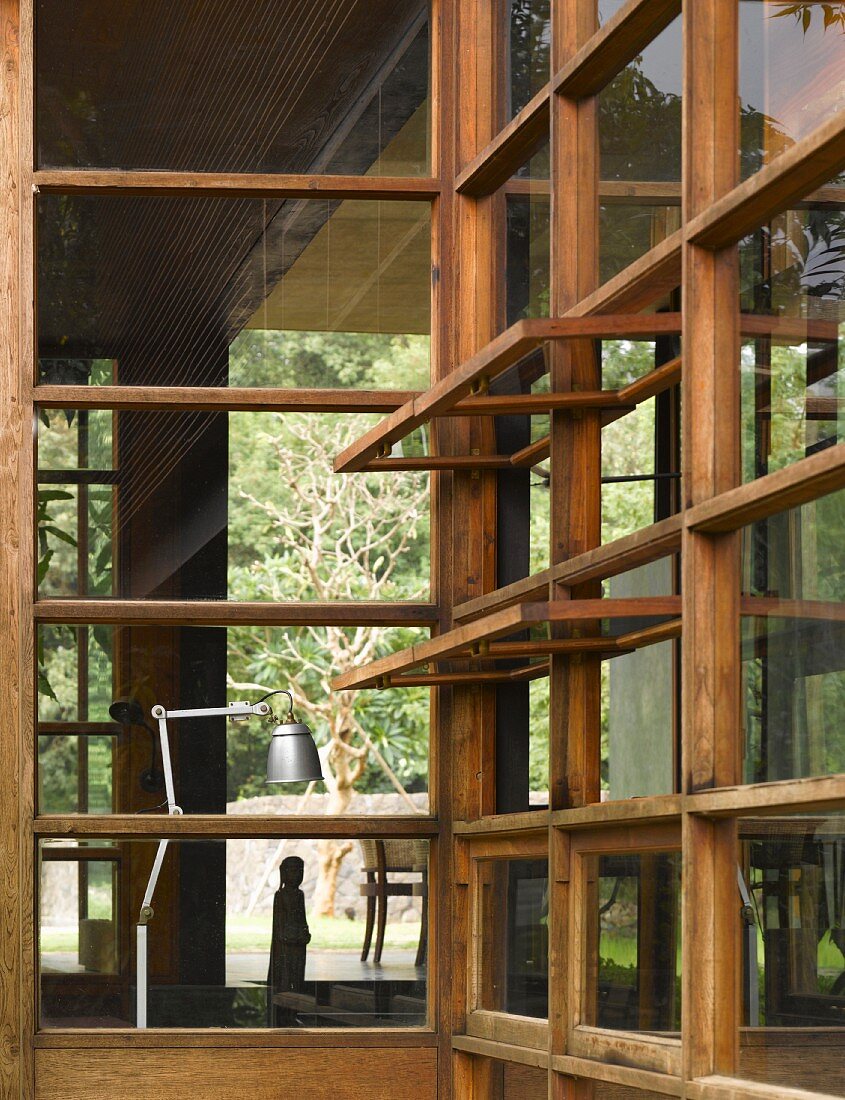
column 624, row 946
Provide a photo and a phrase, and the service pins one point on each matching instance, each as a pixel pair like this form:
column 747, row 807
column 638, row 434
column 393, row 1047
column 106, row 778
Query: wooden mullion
column 710, row 566
column 509, row 150
column 237, row 185
column 619, row 41
column 126, row 612
column 806, row 165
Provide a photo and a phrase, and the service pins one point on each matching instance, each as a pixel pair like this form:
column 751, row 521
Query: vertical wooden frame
column 710, row 565
column 14, row 1042
column 575, row 462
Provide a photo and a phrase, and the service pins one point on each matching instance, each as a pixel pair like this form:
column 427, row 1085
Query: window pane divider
column 232, row 826
column 509, row 150
column 235, row 184
column 220, row 398
column 126, row 612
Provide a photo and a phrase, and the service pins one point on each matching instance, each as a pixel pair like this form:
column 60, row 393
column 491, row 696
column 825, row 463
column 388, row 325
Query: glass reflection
column 374, row 745
column 792, row 299
column 529, row 41
column 792, row 888
column 793, row 642
column 639, row 121
column 791, row 74
column 281, row 87
column 514, row 906
column 222, row 505
column 244, row 933
column 633, row 911
column 215, row 291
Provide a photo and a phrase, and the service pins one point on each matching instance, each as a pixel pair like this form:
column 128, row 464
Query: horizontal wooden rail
column 805, row 480
column 207, row 826
column 509, row 150
column 644, row 1081
column 788, row 796
column 473, row 637
column 234, row 184
column 638, row 548
column 640, row 284
column 611, row 48
column 520, row 404
column 656, row 381
column 221, row 613
column 502, row 352
column 808, row 164
column 439, row 462
column 79, row 1039
column 220, row 398
column 770, row 607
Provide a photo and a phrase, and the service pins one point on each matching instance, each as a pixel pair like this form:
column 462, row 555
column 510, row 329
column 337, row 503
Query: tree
column 325, row 537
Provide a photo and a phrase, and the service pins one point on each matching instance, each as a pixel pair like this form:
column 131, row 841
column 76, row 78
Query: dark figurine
column 291, row 936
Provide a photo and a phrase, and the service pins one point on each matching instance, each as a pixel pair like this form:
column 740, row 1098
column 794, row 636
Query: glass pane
column 514, row 904
column 528, row 240
column 792, row 298
column 283, row 87
column 792, row 886
column 633, row 928
column 79, row 931
column 373, row 744
column 793, row 642
column 791, row 74
column 529, row 42
column 640, row 697
column 244, row 933
column 641, row 447
column 220, row 291
column 640, row 153
column 241, row 506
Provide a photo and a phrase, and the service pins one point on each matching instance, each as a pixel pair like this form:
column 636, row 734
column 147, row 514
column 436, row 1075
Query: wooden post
column 710, row 565
column 14, row 1043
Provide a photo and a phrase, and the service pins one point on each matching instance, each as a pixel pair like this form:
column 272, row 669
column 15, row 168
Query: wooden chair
column 381, row 858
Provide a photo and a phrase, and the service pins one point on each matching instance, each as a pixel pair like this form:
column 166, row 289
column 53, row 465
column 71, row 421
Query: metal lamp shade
column 293, row 755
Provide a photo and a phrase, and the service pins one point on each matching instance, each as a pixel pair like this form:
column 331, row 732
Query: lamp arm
column 141, row 956
column 236, row 712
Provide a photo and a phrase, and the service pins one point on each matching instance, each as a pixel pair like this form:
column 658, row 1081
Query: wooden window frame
column 481, row 1023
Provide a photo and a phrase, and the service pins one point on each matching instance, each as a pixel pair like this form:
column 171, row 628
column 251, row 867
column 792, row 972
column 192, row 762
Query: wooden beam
column 638, row 548
column 532, row 454
column 521, row 404
column 805, row 480
column 806, row 165
column 235, row 184
column 640, row 284
column 502, row 352
column 638, row 1081
column 509, row 150
column 220, row 398
column 234, row 826
column 502, row 623
column 639, row 811
column 220, row 613
column 438, row 462
column 613, row 46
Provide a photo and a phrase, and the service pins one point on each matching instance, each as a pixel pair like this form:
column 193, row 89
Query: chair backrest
column 369, row 858
column 406, row 855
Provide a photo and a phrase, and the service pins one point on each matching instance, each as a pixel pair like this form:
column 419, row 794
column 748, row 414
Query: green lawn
column 252, row 934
